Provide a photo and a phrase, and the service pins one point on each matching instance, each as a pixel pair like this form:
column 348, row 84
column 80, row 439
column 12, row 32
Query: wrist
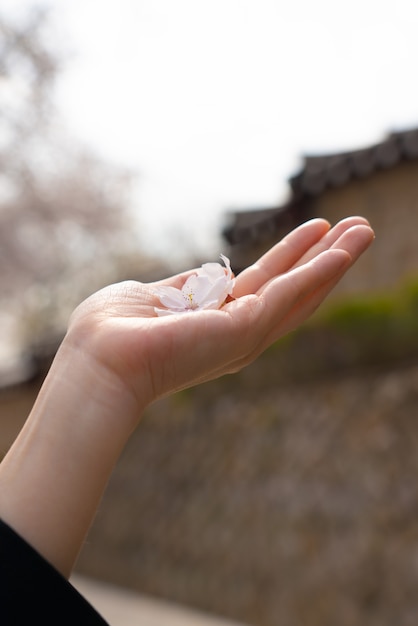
column 53, row 477
column 92, row 369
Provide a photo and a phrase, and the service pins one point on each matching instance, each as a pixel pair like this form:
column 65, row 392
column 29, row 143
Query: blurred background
column 140, row 138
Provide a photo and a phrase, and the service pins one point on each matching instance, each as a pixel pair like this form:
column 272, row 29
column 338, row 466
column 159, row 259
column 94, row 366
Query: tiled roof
column 318, row 174
column 255, row 224
column 335, row 170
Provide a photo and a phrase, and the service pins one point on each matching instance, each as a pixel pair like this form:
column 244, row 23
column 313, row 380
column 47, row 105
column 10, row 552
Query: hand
column 118, row 356
column 155, row 356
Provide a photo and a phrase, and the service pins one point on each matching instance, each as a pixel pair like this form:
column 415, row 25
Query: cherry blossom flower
column 208, row 288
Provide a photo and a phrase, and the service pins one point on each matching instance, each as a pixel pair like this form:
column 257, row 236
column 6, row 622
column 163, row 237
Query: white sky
column 213, row 102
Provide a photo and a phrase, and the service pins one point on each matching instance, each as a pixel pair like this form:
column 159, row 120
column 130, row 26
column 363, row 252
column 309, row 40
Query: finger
column 354, row 242
column 285, row 292
column 281, row 257
column 331, row 237
column 268, row 311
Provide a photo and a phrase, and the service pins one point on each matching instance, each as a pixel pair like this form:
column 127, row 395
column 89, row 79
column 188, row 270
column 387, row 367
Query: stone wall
column 267, row 498
column 294, row 503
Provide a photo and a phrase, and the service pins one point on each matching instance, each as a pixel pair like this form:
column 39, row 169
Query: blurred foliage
column 61, row 206
column 66, row 227
column 385, row 325
column 375, row 330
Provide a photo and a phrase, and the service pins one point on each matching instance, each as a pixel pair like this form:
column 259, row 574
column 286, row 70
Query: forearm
column 52, row 479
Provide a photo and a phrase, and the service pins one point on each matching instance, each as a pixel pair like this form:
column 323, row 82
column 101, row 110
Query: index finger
column 281, row 257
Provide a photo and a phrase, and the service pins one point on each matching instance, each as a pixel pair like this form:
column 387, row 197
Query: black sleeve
column 33, row 592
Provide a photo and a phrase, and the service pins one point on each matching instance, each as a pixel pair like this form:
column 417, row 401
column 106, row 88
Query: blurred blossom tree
column 64, row 221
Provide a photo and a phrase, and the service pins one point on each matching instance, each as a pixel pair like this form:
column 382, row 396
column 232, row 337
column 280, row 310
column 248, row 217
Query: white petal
column 211, row 270
column 216, row 291
column 198, row 286
column 165, row 312
column 170, row 297
column 208, row 288
column 227, row 264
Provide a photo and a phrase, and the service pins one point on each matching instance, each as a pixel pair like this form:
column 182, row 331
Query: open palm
column 158, row 355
